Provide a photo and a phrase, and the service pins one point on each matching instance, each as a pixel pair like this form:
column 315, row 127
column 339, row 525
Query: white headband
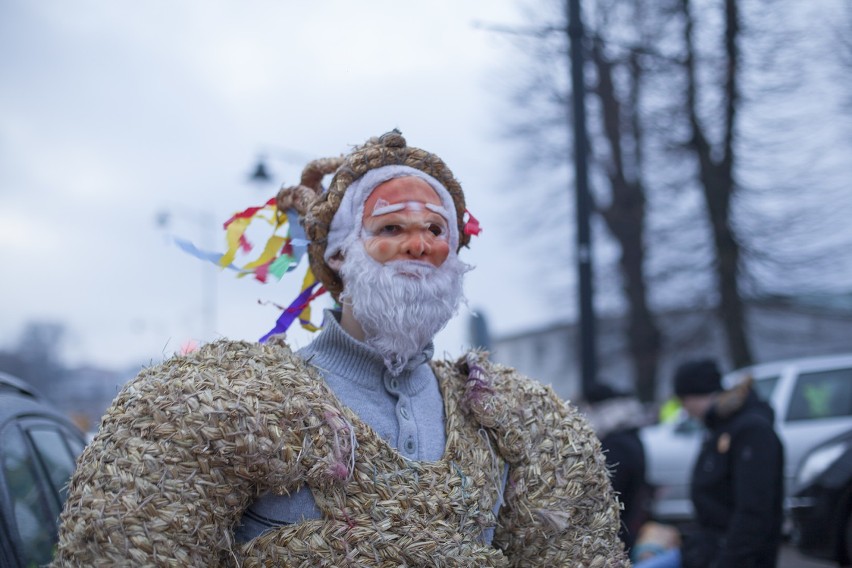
column 382, row 207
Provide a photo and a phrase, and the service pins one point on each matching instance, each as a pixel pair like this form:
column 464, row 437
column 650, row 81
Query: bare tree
column 716, row 173
column 616, row 81
column 625, row 212
column 762, row 113
column 843, row 39
column 708, row 195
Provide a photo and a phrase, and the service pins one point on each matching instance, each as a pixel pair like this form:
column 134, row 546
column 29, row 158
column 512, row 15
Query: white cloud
column 24, row 236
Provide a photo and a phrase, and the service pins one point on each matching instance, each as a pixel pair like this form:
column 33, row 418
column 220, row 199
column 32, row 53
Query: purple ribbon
column 290, row 313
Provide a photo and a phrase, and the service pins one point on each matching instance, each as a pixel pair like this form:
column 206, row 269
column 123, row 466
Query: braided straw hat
column 317, row 207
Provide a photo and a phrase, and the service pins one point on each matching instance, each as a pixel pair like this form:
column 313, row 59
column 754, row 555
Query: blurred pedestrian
column 737, row 481
column 616, row 417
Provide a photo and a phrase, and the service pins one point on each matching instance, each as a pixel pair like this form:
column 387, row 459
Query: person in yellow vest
column 669, row 410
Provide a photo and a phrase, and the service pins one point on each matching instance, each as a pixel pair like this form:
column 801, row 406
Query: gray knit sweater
column 406, row 410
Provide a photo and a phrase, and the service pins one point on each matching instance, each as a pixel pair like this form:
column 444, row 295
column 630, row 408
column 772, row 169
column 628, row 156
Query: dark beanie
column 697, row 377
column 600, row 392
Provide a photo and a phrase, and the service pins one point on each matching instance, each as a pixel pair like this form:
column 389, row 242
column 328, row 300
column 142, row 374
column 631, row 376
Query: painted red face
column 399, row 224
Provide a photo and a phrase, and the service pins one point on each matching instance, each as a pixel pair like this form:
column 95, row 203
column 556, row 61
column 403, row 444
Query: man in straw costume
column 358, row 450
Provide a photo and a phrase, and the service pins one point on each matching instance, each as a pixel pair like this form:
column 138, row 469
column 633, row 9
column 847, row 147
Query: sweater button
column 410, row 446
column 404, row 412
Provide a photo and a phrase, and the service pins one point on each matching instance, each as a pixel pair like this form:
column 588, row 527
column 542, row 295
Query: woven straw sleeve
column 560, row 508
column 183, row 450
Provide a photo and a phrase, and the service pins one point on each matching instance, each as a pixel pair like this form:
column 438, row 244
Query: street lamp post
column 261, row 174
column 587, row 339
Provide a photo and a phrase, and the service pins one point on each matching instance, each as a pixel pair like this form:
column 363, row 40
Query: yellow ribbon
column 232, row 236
column 270, row 251
column 305, row 315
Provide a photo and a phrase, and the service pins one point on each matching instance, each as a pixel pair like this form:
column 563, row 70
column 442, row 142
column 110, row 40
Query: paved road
column 790, row 558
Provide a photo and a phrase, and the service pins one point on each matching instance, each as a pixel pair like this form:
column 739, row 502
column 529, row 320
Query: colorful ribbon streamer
column 471, row 226
column 299, row 308
column 280, row 255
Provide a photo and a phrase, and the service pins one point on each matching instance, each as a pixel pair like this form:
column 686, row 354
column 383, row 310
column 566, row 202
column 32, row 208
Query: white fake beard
column 400, row 305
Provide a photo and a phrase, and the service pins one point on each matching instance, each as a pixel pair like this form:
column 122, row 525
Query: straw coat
column 188, row 444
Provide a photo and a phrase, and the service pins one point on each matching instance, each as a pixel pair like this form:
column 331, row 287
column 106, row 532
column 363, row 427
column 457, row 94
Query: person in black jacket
column 616, row 418
column 737, row 485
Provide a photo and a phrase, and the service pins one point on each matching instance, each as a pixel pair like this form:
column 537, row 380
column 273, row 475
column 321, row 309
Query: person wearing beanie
column 697, row 377
column 616, row 418
column 360, row 449
column 737, row 483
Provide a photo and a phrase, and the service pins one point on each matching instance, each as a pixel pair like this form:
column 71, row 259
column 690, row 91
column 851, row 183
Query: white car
column 812, row 399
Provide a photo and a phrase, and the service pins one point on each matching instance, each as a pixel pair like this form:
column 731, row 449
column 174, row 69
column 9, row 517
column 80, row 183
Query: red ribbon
column 471, row 227
column 249, row 213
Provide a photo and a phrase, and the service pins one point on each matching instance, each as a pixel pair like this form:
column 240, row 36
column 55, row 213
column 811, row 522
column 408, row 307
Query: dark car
column 38, row 450
column 822, row 505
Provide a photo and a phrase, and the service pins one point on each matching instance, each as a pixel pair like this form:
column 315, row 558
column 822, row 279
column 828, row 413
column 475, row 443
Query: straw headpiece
column 317, row 207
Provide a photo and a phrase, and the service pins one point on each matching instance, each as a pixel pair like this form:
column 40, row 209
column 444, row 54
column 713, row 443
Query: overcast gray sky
column 112, row 111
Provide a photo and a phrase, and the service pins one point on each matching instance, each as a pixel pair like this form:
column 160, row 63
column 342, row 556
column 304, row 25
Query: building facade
column 779, row 328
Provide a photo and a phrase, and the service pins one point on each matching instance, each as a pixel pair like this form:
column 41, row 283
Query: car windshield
column 825, row 394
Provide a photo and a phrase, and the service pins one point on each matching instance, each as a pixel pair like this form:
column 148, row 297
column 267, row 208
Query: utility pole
column 587, row 338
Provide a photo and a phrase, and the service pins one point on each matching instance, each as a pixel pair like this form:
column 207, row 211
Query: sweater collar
column 335, row 351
